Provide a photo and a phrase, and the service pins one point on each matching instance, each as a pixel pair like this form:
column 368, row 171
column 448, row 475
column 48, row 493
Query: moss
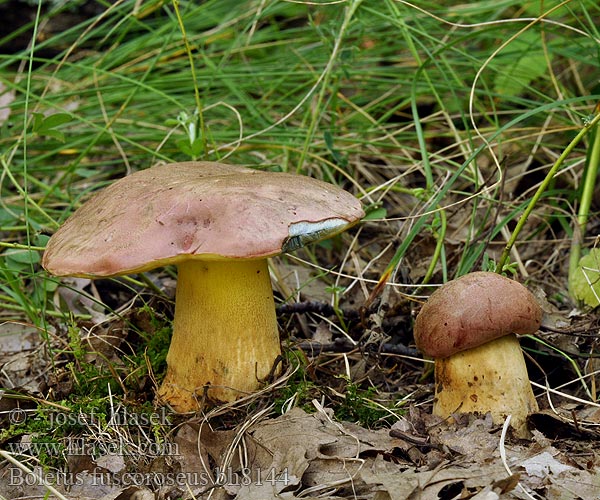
column 358, row 406
column 299, row 389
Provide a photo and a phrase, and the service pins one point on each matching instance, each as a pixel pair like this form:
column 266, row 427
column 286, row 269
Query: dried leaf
column 543, row 464
column 79, row 301
column 111, row 462
column 23, row 358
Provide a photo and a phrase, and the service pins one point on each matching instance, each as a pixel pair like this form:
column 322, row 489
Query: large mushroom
column 468, row 326
column 219, row 224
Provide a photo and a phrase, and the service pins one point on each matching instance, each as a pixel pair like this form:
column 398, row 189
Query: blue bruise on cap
column 301, row 233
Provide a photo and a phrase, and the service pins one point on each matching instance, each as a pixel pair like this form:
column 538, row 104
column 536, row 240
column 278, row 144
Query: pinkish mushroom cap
column 196, row 210
column 472, row 310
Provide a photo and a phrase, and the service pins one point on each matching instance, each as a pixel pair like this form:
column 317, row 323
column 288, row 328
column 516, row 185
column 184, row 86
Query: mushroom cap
column 170, row 213
column 472, row 310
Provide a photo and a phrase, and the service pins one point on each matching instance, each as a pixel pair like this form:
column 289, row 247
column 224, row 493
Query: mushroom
column 468, row 326
column 219, row 224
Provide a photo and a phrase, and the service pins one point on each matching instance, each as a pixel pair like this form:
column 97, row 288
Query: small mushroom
column 219, row 224
column 468, row 326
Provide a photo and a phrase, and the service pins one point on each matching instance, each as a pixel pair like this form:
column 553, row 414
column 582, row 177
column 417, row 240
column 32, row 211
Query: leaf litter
column 307, row 454
column 300, row 454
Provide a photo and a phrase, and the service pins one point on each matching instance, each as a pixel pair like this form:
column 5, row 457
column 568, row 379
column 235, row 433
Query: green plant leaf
column 47, row 125
column 375, row 213
column 585, row 281
column 337, row 156
column 522, row 63
column 192, row 150
column 22, row 256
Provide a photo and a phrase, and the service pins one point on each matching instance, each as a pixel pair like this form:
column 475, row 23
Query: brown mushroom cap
column 472, row 310
column 170, row 213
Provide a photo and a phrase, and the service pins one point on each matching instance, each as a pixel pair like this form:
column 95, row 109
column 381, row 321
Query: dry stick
column 313, row 349
column 542, row 188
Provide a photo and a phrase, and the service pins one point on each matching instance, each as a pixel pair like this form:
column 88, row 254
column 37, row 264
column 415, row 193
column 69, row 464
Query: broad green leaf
column 585, row 281
column 192, row 150
column 376, row 213
column 521, row 62
column 55, row 120
column 17, row 257
column 46, row 125
column 41, row 240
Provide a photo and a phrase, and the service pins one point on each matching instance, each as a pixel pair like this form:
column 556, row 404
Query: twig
column 342, row 346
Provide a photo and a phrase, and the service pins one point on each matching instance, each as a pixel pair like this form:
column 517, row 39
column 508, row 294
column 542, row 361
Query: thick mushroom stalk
column 489, row 378
column 468, row 326
column 225, row 336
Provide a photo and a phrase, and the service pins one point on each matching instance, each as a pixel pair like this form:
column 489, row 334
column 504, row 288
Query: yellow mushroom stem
column 489, row 378
column 225, row 336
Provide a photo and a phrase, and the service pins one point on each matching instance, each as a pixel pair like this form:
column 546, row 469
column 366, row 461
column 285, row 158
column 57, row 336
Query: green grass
column 443, row 119
column 398, row 89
